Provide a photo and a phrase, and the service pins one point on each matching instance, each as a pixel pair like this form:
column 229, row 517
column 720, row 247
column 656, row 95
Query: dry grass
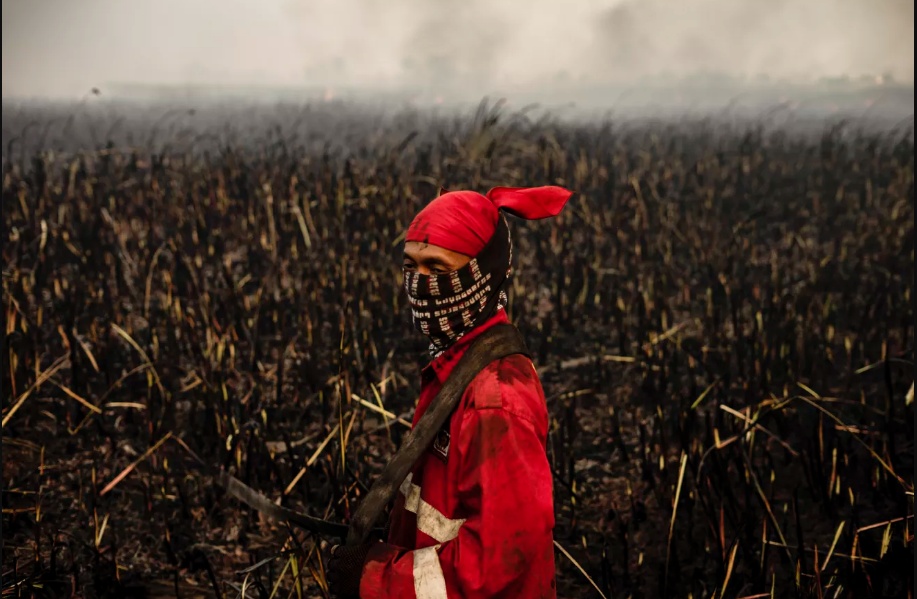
column 722, row 317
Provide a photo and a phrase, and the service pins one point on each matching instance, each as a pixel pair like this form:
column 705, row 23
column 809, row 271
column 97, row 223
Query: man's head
column 458, row 254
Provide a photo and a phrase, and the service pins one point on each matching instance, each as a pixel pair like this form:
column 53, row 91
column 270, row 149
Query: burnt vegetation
column 722, row 319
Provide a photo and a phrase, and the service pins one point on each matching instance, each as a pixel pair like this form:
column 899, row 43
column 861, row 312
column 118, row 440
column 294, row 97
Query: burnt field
column 722, row 318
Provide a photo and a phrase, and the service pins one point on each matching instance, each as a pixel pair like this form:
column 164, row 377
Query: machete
column 495, row 343
column 255, row 500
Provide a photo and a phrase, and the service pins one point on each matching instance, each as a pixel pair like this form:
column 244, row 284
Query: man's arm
column 505, row 485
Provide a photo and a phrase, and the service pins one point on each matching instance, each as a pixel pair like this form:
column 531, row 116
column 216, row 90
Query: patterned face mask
column 445, row 307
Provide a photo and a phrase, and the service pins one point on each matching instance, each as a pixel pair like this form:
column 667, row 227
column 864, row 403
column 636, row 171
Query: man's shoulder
column 510, row 383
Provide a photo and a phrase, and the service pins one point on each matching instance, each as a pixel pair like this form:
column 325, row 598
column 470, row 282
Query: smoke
column 795, row 39
column 66, row 47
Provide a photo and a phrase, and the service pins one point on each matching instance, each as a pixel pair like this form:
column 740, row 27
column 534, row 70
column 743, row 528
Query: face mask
column 445, row 307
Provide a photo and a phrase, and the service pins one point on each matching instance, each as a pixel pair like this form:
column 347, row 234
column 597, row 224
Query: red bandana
column 464, row 221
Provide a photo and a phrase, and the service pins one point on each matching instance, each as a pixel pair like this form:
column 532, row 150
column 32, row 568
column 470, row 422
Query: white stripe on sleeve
column 430, row 521
column 428, row 574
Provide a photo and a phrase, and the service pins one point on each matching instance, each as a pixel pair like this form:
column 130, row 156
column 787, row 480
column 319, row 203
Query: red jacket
column 475, row 516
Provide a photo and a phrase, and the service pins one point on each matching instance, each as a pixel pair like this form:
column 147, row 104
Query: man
column 475, row 516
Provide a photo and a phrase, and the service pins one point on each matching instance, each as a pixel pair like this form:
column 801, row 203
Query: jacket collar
column 443, row 364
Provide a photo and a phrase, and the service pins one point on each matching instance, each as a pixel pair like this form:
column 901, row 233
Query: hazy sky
column 65, row 47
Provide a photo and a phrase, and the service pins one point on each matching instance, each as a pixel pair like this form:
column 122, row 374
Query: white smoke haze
column 62, row 48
